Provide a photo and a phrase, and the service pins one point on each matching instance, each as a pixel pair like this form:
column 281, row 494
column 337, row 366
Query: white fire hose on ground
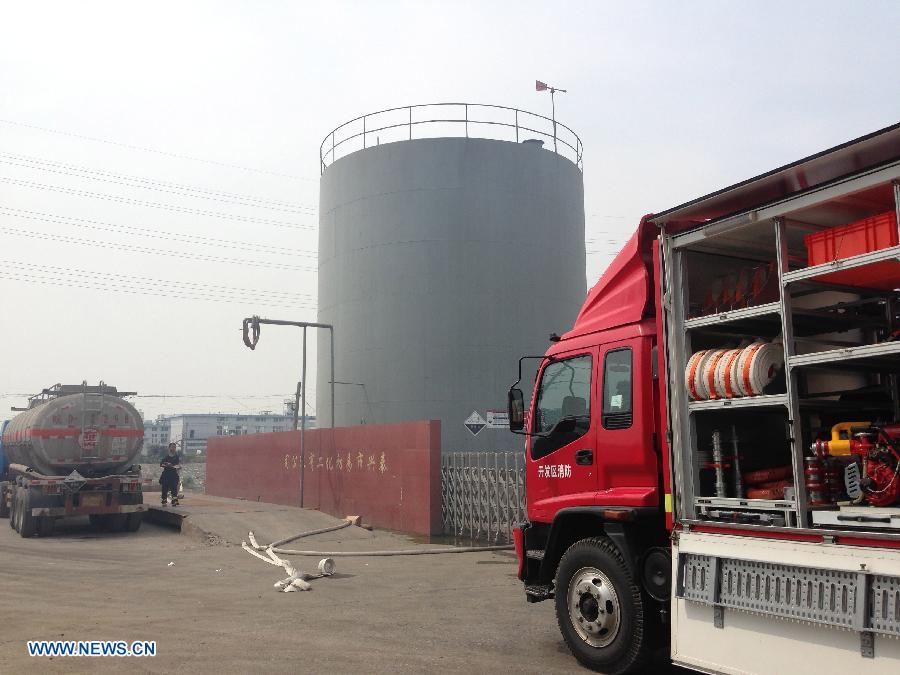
column 407, row 551
column 294, row 581
column 299, row 581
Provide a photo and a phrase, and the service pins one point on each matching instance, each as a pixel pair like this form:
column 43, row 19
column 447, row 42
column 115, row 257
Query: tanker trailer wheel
column 45, row 526
column 99, row 520
column 27, row 522
column 116, row 522
column 13, row 509
column 4, row 507
column 600, row 609
column 133, row 524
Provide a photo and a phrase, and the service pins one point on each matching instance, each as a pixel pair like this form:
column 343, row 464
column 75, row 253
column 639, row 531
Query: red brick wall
column 389, row 474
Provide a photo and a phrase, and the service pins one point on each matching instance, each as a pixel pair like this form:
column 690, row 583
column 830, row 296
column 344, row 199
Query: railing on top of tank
column 565, row 141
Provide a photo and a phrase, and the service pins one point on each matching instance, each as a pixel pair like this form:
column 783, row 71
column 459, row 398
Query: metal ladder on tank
column 92, row 404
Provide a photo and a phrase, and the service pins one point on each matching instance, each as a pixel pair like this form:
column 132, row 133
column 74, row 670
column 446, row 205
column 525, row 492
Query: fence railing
column 482, row 494
column 470, row 116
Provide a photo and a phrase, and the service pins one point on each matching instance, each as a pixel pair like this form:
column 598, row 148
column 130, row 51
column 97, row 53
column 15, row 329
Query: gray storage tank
column 441, row 262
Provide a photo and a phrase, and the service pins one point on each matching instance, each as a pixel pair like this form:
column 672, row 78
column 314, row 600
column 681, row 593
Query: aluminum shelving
column 833, row 356
column 766, row 400
column 770, row 308
column 767, row 321
column 806, row 273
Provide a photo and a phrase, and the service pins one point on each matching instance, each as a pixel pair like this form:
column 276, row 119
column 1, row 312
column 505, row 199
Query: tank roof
column 58, row 390
column 413, row 122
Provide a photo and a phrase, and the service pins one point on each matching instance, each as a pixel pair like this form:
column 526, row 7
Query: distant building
column 156, row 434
column 191, row 431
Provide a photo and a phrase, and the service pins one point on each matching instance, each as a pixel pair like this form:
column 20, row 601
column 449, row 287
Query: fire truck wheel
column 45, row 526
column 4, row 508
column 600, row 609
column 27, row 522
column 134, row 521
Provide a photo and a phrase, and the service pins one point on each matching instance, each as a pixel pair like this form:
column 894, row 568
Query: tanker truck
column 71, row 452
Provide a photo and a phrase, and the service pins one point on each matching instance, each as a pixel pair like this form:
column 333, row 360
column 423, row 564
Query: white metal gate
column 482, row 494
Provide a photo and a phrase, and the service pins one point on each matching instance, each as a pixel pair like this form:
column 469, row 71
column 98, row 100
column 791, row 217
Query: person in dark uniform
column 171, row 464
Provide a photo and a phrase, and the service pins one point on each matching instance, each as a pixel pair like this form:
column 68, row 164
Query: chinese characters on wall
column 353, row 461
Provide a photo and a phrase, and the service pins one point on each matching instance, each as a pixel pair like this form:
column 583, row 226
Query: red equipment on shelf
column 863, row 236
column 747, row 287
column 876, row 449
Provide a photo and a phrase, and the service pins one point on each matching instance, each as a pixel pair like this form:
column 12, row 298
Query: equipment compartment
column 816, row 411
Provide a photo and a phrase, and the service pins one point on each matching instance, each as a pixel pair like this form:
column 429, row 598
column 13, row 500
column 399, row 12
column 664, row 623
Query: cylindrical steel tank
column 441, row 262
column 95, row 435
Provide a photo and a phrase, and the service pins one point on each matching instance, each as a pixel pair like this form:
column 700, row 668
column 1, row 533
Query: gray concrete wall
column 441, row 261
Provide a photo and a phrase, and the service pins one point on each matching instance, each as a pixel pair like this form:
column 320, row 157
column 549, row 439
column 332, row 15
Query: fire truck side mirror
column 516, row 409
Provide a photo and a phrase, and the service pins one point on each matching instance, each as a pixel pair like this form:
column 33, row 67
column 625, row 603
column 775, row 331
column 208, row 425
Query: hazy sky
column 671, row 99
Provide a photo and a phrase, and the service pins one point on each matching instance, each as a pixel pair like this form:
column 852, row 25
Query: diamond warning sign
column 475, row 423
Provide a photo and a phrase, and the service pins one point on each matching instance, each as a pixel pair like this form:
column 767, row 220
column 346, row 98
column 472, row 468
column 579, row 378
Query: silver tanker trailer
column 71, row 452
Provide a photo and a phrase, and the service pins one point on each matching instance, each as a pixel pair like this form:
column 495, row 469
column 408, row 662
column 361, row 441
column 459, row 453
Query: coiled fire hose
column 731, row 373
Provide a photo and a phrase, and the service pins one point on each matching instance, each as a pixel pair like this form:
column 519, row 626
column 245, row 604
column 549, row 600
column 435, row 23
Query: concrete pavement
column 215, row 611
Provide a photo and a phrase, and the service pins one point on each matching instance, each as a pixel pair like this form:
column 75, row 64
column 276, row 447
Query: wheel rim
column 594, row 607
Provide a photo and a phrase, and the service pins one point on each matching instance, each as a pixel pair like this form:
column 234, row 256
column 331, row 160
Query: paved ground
column 215, row 611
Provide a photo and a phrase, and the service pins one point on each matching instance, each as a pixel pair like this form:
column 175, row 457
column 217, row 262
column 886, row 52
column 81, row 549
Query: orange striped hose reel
column 730, row 373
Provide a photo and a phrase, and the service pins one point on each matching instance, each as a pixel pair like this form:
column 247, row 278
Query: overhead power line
column 135, row 281
column 88, row 285
column 101, row 226
column 146, row 250
column 157, row 152
column 143, row 183
column 154, row 205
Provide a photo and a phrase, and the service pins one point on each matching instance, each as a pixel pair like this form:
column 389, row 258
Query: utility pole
column 296, row 405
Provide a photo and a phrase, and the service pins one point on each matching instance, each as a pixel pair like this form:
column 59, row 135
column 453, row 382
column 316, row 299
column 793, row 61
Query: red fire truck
column 713, row 448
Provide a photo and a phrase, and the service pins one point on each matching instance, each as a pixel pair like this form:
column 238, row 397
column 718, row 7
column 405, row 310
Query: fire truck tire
column 27, row 522
column 133, row 524
column 600, row 608
column 4, row 507
column 45, row 526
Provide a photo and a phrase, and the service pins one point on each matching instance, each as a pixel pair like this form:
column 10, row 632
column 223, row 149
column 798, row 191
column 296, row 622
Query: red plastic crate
column 863, row 236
